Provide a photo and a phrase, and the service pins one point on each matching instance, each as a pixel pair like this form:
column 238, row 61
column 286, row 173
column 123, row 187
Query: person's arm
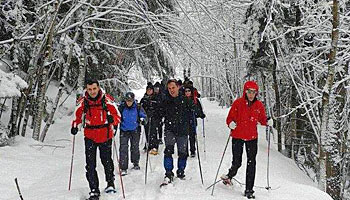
column 78, row 113
column 143, row 115
column 200, row 112
column 113, row 110
column 232, row 114
column 262, row 117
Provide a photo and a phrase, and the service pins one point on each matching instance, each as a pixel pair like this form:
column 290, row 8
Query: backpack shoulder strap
column 86, row 105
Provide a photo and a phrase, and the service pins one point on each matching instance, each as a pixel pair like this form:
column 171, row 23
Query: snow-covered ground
column 43, row 172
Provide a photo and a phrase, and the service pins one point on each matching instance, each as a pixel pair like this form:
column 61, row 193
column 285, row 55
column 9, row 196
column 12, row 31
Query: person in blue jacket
column 132, row 115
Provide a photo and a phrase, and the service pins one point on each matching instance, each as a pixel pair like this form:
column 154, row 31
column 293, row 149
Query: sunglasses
column 250, row 91
column 187, row 90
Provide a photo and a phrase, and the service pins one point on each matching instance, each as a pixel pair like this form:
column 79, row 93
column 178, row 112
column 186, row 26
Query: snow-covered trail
column 43, row 173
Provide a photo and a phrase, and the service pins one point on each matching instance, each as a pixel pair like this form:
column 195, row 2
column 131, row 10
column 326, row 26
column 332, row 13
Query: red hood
column 250, row 84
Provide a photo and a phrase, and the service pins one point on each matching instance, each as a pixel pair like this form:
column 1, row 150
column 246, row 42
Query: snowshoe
column 226, row 180
column 249, row 194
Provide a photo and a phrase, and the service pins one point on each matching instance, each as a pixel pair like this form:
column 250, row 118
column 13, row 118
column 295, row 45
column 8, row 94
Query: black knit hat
column 149, row 86
column 157, row 84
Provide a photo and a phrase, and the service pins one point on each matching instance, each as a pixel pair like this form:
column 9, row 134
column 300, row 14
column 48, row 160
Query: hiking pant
column 251, row 148
column 106, row 159
column 134, row 138
column 192, row 138
column 182, row 150
column 151, row 134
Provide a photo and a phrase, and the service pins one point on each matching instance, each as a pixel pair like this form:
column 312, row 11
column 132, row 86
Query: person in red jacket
column 245, row 113
column 98, row 113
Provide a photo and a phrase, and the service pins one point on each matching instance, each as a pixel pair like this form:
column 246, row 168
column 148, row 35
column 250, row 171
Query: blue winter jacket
column 130, row 120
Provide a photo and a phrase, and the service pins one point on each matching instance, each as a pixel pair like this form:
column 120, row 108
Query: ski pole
column 147, row 150
column 203, row 135
column 268, row 157
column 71, row 165
column 212, row 184
column 195, row 137
column 222, row 158
column 19, row 191
column 199, row 160
column 120, row 176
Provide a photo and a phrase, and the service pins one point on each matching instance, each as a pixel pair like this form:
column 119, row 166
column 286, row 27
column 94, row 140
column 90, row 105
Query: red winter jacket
column 246, row 117
column 96, row 127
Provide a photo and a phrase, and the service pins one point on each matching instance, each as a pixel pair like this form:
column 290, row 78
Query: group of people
column 174, row 107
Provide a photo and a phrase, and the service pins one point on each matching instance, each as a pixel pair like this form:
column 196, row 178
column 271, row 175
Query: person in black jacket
column 176, row 112
column 193, row 120
column 158, row 96
column 149, row 103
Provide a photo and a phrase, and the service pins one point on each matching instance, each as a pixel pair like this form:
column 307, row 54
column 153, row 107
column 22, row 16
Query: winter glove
column 110, row 119
column 270, row 122
column 202, row 116
column 232, row 125
column 143, row 121
column 74, row 130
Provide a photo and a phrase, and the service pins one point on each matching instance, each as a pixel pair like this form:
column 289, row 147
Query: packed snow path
column 43, row 173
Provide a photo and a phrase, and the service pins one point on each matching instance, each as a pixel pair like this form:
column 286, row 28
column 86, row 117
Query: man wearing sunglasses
column 245, row 113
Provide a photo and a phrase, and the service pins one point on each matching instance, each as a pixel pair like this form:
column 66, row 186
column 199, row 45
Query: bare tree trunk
column 278, row 99
column 43, row 85
column 26, row 116
column 3, row 107
column 325, row 170
column 60, row 89
column 12, row 126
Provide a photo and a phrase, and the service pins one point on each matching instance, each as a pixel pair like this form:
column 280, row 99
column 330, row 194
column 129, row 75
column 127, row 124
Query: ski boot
column 110, row 188
column 249, row 194
column 124, row 172
column 180, row 174
column 136, row 167
column 94, row 195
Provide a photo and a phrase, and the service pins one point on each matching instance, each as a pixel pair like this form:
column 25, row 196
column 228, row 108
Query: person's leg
column 192, row 138
column 237, row 151
column 251, row 148
column 170, row 140
column 90, row 157
column 160, row 130
column 182, row 150
column 153, row 138
column 107, row 162
column 124, row 150
column 135, row 151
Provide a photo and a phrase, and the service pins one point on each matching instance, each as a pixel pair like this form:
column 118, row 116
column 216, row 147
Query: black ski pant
column 151, row 134
column 106, row 159
column 251, row 148
column 134, row 138
column 192, row 138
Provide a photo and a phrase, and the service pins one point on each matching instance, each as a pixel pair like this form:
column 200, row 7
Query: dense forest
column 297, row 50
